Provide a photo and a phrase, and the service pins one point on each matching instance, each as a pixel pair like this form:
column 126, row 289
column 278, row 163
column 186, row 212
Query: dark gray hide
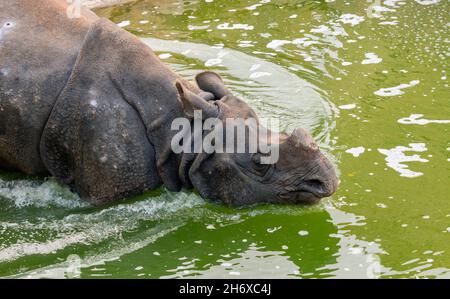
column 89, row 103
column 38, row 48
column 77, row 101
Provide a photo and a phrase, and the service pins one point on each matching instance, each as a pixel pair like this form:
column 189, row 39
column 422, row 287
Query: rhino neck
column 157, row 112
column 147, row 85
column 158, row 106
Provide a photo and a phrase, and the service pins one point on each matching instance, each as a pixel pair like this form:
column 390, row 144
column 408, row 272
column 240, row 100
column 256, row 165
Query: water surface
column 369, row 81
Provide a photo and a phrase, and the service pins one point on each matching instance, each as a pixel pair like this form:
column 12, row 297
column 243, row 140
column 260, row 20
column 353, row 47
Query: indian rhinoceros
column 90, row 104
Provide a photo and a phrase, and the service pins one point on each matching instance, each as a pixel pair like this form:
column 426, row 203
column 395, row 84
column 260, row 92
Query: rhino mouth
column 295, row 197
column 310, row 192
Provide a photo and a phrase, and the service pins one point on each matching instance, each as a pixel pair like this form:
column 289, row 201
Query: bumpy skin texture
column 95, row 139
column 89, row 103
column 77, row 102
column 38, row 47
column 106, row 124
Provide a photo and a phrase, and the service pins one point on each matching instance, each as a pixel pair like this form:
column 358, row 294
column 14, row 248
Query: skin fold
column 90, row 104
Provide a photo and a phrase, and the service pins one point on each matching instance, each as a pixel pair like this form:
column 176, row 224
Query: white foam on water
column 277, row 43
column 124, row 24
column 347, row 106
column 394, row 3
column 90, row 228
column 254, row 67
column 255, row 6
column 371, row 58
column 198, row 27
column 427, row 2
column 416, row 119
column 61, row 270
column 256, row 75
column 395, row 158
column 396, row 90
column 303, row 233
column 356, row 151
column 380, row 8
column 323, row 29
column 228, row 26
column 273, row 229
column 389, row 23
column 270, row 264
column 41, row 194
column 213, row 61
column 164, row 55
column 351, row 19
column 331, row 29
column 21, row 249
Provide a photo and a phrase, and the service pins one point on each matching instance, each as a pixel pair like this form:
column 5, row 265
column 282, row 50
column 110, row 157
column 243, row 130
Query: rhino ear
column 191, row 102
column 212, row 82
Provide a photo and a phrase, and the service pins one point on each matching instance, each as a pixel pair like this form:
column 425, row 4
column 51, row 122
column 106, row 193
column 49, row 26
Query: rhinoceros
column 92, row 105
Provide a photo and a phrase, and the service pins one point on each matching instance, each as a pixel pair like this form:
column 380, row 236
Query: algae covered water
column 367, row 78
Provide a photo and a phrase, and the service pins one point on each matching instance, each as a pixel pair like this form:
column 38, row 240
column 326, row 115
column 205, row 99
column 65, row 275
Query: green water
column 357, row 79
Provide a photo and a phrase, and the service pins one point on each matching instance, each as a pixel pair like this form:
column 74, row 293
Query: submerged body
column 90, row 104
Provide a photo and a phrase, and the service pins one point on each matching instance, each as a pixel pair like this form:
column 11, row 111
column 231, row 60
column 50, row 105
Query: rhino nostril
column 316, row 184
column 317, row 187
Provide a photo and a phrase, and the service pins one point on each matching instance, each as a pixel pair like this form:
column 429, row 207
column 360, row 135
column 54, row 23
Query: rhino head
column 301, row 174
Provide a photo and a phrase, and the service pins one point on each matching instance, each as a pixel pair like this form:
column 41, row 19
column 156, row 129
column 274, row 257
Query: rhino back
column 38, row 48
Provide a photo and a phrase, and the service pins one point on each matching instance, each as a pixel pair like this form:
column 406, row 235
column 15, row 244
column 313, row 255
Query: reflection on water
column 350, row 72
column 272, row 90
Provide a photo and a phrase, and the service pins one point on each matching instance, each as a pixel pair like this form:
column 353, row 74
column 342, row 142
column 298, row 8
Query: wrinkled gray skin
column 90, row 104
